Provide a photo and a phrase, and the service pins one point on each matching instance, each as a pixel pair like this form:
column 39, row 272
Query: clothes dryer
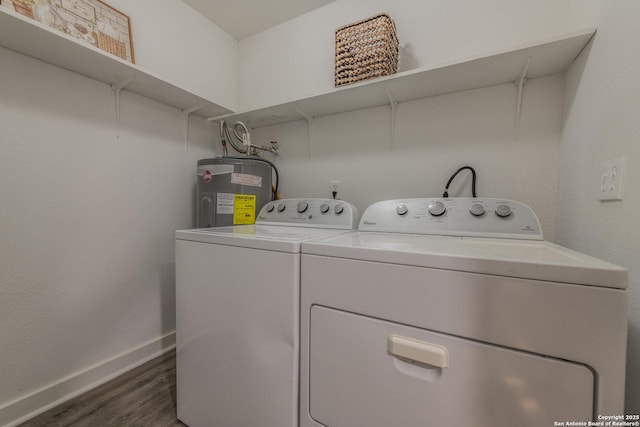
column 443, row 312
column 237, row 314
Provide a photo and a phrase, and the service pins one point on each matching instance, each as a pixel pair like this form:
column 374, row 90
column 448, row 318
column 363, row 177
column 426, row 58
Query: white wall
column 297, row 57
column 176, row 43
column 601, row 122
column 86, row 229
column 434, row 136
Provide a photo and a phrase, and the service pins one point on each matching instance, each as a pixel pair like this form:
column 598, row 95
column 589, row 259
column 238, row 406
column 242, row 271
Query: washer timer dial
column 503, row 211
column 477, row 209
column 437, row 208
column 302, row 206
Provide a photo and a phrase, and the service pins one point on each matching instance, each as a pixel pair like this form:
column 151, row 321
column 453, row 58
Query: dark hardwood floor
column 143, row 397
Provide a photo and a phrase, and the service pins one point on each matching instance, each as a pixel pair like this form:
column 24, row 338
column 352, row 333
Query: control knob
column 503, row 211
column 324, row 208
column 477, row 209
column 402, row 209
column 281, row 207
column 338, row 209
column 437, row 208
column 302, row 206
column 270, row 207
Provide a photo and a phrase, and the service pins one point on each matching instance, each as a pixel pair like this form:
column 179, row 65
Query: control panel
column 321, row 213
column 473, row 217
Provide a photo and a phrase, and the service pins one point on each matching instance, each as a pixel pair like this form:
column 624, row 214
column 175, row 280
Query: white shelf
column 547, row 57
column 551, row 56
column 34, row 39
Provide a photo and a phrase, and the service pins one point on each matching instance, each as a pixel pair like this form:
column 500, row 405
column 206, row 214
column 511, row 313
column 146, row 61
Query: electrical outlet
column 334, row 188
column 611, row 179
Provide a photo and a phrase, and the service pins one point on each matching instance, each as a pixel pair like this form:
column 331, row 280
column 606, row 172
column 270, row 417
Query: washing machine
column 456, row 312
column 237, row 314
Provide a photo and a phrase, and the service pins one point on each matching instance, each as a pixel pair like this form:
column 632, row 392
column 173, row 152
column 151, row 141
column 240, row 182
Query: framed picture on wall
column 92, row 21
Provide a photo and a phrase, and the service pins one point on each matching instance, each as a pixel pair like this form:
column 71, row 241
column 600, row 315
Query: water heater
column 232, row 190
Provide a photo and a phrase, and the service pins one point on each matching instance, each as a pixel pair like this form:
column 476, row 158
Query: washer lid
column 529, row 259
column 257, row 236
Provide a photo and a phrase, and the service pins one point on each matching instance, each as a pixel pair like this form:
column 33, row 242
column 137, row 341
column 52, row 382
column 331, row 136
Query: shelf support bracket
column 186, row 114
column 117, row 87
column 218, row 119
column 520, row 84
column 309, row 120
column 394, row 104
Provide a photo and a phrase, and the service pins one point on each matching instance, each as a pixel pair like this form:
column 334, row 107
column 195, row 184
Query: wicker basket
column 366, row 49
column 111, row 45
column 23, row 8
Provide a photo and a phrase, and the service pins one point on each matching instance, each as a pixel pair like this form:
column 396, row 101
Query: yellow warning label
column 244, row 208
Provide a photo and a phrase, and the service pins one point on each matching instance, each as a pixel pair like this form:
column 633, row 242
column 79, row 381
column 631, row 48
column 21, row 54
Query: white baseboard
column 39, row 401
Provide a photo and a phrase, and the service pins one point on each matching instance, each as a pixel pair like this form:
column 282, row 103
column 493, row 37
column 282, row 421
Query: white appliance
column 237, row 314
column 410, row 322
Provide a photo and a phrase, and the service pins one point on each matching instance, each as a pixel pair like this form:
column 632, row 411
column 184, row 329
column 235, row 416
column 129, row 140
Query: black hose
column 473, row 181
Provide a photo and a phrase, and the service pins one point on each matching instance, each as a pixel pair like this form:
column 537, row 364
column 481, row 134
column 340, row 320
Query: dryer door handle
column 420, row 351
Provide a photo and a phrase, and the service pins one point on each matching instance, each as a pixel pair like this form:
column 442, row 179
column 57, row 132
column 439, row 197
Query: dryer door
column 369, row 372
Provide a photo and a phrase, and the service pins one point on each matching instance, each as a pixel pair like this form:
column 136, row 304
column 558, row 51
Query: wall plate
column 610, row 184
